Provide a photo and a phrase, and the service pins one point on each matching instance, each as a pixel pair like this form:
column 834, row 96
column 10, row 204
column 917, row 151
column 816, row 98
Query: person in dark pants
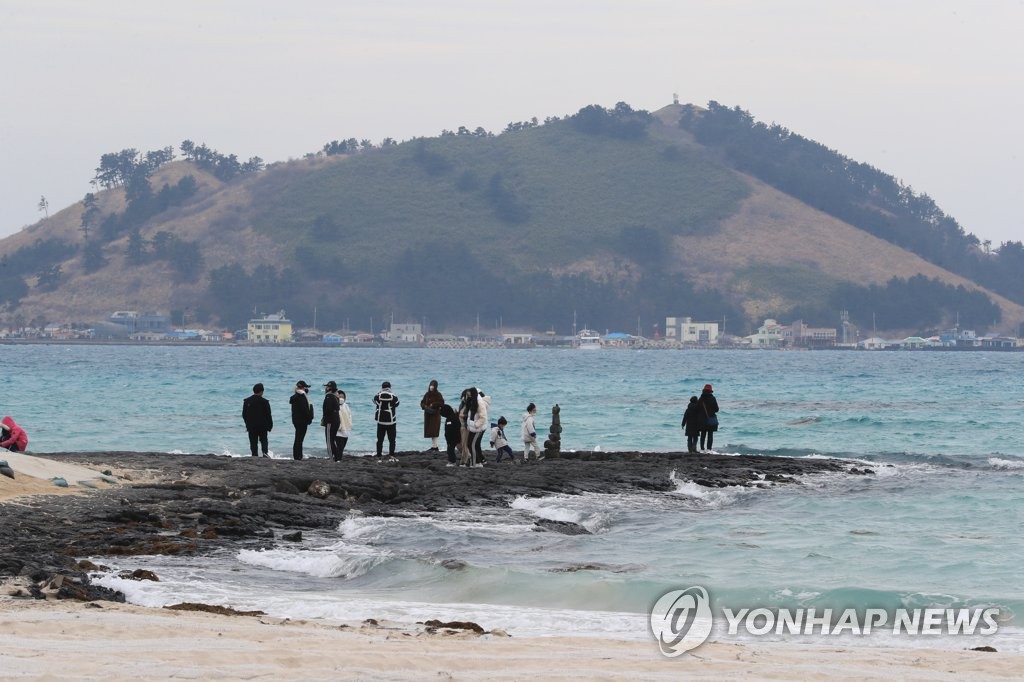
column 693, row 424
column 344, row 426
column 709, row 409
column 386, row 417
column 331, row 418
column 452, row 430
column 258, row 420
column 302, row 416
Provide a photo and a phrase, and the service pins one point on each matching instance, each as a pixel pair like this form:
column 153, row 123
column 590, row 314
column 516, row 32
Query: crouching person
column 12, row 436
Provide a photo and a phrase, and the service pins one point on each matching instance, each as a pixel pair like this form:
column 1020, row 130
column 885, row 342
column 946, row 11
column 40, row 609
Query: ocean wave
column 355, row 526
column 579, row 509
column 996, row 461
column 708, row 498
column 327, row 563
column 1006, row 464
column 801, row 421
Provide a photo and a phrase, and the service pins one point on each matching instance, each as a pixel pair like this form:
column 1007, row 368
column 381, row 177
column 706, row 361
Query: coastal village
column 128, row 326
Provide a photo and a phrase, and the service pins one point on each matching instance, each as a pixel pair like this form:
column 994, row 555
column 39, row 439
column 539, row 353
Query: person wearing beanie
column 386, row 416
column 331, row 418
column 258, row 420
column 709, row 414
column 693, row 423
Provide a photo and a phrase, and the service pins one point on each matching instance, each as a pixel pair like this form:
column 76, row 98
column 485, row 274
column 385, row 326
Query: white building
column 406, row 333
column 685, row 330
column 771, row 334
column 518, row 338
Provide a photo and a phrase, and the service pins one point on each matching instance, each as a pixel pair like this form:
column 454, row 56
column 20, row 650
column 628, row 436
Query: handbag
column 323, row 421
column 710, row 419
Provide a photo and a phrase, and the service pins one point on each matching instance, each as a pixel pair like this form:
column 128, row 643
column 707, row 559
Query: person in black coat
column 386, row 416
column 331, row 418
column 258, row 420
column 693, row 423
column 709, row 408
column 452, row 430
column 302, row 416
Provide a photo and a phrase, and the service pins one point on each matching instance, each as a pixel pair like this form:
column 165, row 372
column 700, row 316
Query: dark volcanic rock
column 319, row 489
column 209, row 608
column 207, row 502
column 563, row 527
column 455, row 625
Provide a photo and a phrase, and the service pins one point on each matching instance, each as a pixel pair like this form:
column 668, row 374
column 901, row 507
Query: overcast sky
column 929, row 91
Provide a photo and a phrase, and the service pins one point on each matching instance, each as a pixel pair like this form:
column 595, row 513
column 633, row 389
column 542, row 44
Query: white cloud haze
column 926, row 90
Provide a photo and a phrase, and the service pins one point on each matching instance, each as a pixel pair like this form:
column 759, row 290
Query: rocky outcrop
column 210, row 501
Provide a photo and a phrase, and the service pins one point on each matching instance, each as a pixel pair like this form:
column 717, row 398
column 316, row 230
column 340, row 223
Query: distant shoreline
column 470, row 345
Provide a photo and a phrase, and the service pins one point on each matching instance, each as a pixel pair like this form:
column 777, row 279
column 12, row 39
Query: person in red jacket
column 12, row 436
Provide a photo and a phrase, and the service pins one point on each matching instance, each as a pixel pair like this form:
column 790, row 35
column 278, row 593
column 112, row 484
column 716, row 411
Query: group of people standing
column 464, row 425
column 700, row 420
column 336, row 419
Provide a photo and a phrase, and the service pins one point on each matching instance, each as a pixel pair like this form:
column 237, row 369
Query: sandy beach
column 103, row 640
column 70, row 639
column 33, row 477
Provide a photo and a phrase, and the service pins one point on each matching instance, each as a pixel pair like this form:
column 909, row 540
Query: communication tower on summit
column 675, row 98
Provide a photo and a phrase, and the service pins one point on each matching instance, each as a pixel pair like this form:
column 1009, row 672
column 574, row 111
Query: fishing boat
column 588, row 339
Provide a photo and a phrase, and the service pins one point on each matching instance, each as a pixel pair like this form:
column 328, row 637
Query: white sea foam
column 704, row 497
column 362, row 528
column 589, row 511
column 339, row 561
column 549, row 508
column 1006, row 464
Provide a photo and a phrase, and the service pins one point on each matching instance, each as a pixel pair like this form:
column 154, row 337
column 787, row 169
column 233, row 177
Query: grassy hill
column 527, row 226
column 566, row 194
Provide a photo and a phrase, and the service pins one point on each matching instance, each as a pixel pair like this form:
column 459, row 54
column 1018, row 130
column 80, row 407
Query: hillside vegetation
column 617, row 216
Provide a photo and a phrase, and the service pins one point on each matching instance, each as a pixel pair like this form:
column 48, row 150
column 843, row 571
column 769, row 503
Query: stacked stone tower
column 553, row 445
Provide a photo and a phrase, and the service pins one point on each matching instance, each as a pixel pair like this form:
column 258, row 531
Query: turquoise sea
column 937, row 525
